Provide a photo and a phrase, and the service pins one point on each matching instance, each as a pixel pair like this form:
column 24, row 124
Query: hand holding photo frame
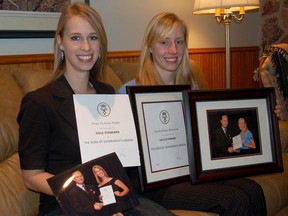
column 160, row 126
column 250, row 114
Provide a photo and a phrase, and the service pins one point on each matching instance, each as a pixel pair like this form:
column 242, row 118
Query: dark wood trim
column 29, row 58
column 244, row 60
column 222, row 50
column 123, row 54
column 16, row 34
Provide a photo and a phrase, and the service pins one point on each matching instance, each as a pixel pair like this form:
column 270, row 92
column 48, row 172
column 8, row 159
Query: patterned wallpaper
column 274, row 22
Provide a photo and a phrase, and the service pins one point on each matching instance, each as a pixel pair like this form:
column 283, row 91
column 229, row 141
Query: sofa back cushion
column 110, row 77
column 127, row 71
column 10, row 97
column 16, row 199
column 31, row 79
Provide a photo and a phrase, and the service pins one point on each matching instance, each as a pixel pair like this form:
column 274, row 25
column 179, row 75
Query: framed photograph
column 23, row 22
column 159, row 118
column 84, row 189
column 232, row 133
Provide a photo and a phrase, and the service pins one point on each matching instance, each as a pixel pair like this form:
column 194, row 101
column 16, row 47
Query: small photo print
column 99, row 187
column 234, row 132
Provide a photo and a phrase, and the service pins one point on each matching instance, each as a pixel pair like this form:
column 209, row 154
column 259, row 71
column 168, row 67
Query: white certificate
column 237, row 142
column 105, row 124
column 166, row 134
column 107, row 194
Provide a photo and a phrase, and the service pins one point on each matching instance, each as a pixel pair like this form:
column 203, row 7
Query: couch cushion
column 8, row 136
column 125, row 70
column 31, row 79
column 275, row 188
column 10, row 97
column 283, row 130
column 16, row 199
column 283, row 211
column 111, row 78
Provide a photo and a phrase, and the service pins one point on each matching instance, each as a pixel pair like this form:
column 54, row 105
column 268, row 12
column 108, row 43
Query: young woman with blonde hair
column 164, row 58
column 119, row 188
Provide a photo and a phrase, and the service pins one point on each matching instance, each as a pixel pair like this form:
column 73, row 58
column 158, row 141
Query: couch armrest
column 283, row 129
column 275, row 188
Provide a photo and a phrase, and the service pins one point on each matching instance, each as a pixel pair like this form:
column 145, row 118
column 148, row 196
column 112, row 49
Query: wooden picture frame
column 159, row 119
column 256, row 107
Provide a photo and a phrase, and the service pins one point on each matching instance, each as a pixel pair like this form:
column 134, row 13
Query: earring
column 99, row 56
column 62, row 55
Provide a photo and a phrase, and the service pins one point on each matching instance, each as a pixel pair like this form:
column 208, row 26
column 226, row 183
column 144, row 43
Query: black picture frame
column 256, row 105
column 152, row 175
column 17, row 34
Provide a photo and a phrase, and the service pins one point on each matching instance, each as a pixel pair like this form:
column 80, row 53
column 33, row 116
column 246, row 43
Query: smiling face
column 242, row 124
column 99, row 172
column 224, row 121
column 168, row 53
column 80, row 44
column 78, row 177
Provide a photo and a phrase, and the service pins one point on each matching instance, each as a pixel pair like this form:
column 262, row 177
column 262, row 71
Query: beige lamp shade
column 209, row 6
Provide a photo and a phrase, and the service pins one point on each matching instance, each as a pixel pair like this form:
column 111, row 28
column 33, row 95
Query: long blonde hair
column 158, row 28
column 92, row 16
column 99, row 180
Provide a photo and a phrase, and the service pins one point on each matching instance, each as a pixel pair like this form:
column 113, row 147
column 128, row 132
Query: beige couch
column 17, row 200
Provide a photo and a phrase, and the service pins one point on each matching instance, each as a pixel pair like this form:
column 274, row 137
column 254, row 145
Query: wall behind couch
column 126, row 20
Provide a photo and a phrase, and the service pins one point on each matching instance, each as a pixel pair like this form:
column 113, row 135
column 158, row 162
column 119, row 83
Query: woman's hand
column 100, row 197
column 278, row 109
column 98, row 206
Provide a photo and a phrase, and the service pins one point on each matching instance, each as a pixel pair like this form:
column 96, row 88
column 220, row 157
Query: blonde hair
column 100, row 168
column 158, row 28
column 245, row 123
column 94, row 19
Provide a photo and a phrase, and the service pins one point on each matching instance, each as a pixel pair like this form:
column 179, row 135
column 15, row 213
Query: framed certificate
column 159, row 119
column 251, row 144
